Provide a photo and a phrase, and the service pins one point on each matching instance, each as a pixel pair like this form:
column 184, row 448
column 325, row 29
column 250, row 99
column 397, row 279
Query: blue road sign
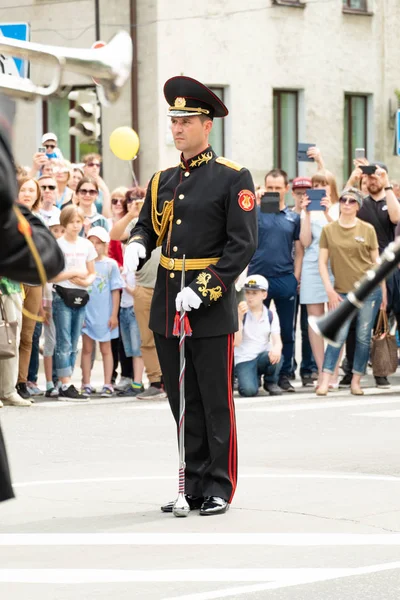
column 14, row 66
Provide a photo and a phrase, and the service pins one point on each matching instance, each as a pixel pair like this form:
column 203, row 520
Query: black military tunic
column 212, row 221
column 16, row 261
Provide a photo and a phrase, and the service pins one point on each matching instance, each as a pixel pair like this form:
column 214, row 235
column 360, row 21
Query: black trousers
column 210, row 427
column 6, row 490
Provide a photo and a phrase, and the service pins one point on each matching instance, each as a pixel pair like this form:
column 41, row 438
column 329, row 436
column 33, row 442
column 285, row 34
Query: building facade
column 315, row 71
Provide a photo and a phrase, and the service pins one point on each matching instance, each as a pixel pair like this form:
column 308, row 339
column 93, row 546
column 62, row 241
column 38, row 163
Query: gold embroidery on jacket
column 202, row 282
column 203, row 158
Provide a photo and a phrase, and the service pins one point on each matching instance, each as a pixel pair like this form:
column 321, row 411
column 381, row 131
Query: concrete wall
column 251, row 49
column 256, row 47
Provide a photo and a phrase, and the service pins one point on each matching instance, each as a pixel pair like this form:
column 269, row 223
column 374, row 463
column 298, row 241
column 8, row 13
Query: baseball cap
column 301, row 182
column 100, row 233
column 54, row 220
column 49, row 136
column 256, row 282
column 352, row 193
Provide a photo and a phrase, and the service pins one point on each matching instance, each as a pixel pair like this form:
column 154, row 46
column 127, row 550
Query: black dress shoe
column 213, row 505
column 195, row 502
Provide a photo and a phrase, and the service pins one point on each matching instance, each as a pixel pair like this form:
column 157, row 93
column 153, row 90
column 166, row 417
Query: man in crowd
column 48, row 187
column 382, row 210
column 211, row 220
column 278, row 241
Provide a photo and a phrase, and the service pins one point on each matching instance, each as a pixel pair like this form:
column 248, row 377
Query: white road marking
column 301, row 579
column 200, row 539
column 320, row 405
column 280, row 577
column 334, row 476
column 387, row 414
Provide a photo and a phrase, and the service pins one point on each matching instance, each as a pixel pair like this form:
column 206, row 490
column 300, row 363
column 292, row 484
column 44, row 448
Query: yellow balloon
column 124, row 143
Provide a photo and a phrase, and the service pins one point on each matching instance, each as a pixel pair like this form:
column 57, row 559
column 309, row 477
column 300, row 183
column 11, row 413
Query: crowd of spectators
column 306, row 262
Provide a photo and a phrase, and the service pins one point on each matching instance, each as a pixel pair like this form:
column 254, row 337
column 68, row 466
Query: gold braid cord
column 26, row 230
column 160, row 220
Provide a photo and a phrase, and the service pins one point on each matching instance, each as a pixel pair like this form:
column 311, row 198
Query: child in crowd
column 101, row 319
column 71, row 296
column 258, row 345
column 49, row 328
column 131, row 336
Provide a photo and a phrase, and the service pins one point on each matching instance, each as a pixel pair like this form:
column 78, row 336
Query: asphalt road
column 316, row 515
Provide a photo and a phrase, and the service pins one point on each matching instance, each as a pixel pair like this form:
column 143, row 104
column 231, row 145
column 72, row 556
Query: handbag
column 8, row 334
column 383, row 348
column 72, row 297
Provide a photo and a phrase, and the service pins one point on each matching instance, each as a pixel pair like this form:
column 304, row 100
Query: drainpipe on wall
column 134, row 80
column 97, row 36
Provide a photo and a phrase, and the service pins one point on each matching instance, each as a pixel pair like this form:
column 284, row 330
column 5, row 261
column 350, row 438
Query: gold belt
column 191, row 264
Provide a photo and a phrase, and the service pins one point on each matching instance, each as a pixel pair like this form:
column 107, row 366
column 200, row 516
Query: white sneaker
column 16, row 400
column 123, row 384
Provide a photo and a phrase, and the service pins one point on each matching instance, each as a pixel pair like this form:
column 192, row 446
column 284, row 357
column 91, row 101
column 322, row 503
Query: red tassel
column 186, row 323
column 176, row 327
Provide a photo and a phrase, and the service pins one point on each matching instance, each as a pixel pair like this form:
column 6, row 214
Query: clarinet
column 329, row 325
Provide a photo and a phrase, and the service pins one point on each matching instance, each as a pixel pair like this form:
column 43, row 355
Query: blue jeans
column 130, row 332
column 34, row 362
column 365, row 321
column 68, row 322
column 248, row 373
column 283, row 291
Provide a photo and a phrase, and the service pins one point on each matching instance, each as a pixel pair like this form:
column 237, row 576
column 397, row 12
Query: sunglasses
column 347, row 201
column 86, row 192
column 48, row 187
column 50, row 146
column 92, row 164
column 117, row 200
column 131, row 199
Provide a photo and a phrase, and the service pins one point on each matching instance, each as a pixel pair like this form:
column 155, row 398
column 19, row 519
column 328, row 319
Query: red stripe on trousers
column 232, row 461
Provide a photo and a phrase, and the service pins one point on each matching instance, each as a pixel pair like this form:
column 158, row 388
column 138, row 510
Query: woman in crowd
column 12, row 301
column 29, row 195
column 119, row 210
column 62, row 176
column 312, row 290
column 71, row 285
column 87, row 191
column 351, row 246
column 76, row 174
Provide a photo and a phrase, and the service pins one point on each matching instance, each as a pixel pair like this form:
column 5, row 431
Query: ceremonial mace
column 181, row 507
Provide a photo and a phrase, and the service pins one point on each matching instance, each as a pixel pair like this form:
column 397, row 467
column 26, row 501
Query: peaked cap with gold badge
column 187, row 97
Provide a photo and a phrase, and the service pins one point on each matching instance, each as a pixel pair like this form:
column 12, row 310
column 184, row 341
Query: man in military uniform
column 16, row 260
column 204, row 208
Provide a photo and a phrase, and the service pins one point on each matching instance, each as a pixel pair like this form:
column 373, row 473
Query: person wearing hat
column 49, row 141
column 351, row 246
column 300, row 185
column 258, row 344
column 203, row 209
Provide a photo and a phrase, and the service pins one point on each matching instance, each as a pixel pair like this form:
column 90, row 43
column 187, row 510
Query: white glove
column 187, row 299
column 133, row 253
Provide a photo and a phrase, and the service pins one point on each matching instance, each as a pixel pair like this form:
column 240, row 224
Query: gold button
column 171, row 264
column 178, row 221
column 172, row 275
column 175, row 248
column 187, row 174
column 181, row 196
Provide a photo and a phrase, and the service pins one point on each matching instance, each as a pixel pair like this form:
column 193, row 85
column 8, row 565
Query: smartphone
column 42, row 149
column 270, row 203
column 302, row 152
column 315, row 197
column 359, row 153
column 368, row 169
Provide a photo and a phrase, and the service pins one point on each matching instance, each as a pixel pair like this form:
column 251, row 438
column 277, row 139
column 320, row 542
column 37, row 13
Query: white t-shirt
column 256, row 335
column 76, row 256
column 48, row 214
column 126, row 298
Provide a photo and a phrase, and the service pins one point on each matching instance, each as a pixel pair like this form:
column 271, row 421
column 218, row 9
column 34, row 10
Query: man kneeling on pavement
column 258, row 344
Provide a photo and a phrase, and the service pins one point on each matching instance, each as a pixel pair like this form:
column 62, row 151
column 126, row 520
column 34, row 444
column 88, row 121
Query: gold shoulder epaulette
column 228, row 163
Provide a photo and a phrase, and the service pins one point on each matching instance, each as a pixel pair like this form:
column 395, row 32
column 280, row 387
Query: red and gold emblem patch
column 246, row 200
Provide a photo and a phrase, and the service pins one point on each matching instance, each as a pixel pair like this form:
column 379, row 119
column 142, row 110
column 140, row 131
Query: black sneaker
column 380, row 382
column 23, row 391
column 131, row 391
column 273, row 389
column 307, row 380
column 346, row 381
column 285, row 384
column 72, row 394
